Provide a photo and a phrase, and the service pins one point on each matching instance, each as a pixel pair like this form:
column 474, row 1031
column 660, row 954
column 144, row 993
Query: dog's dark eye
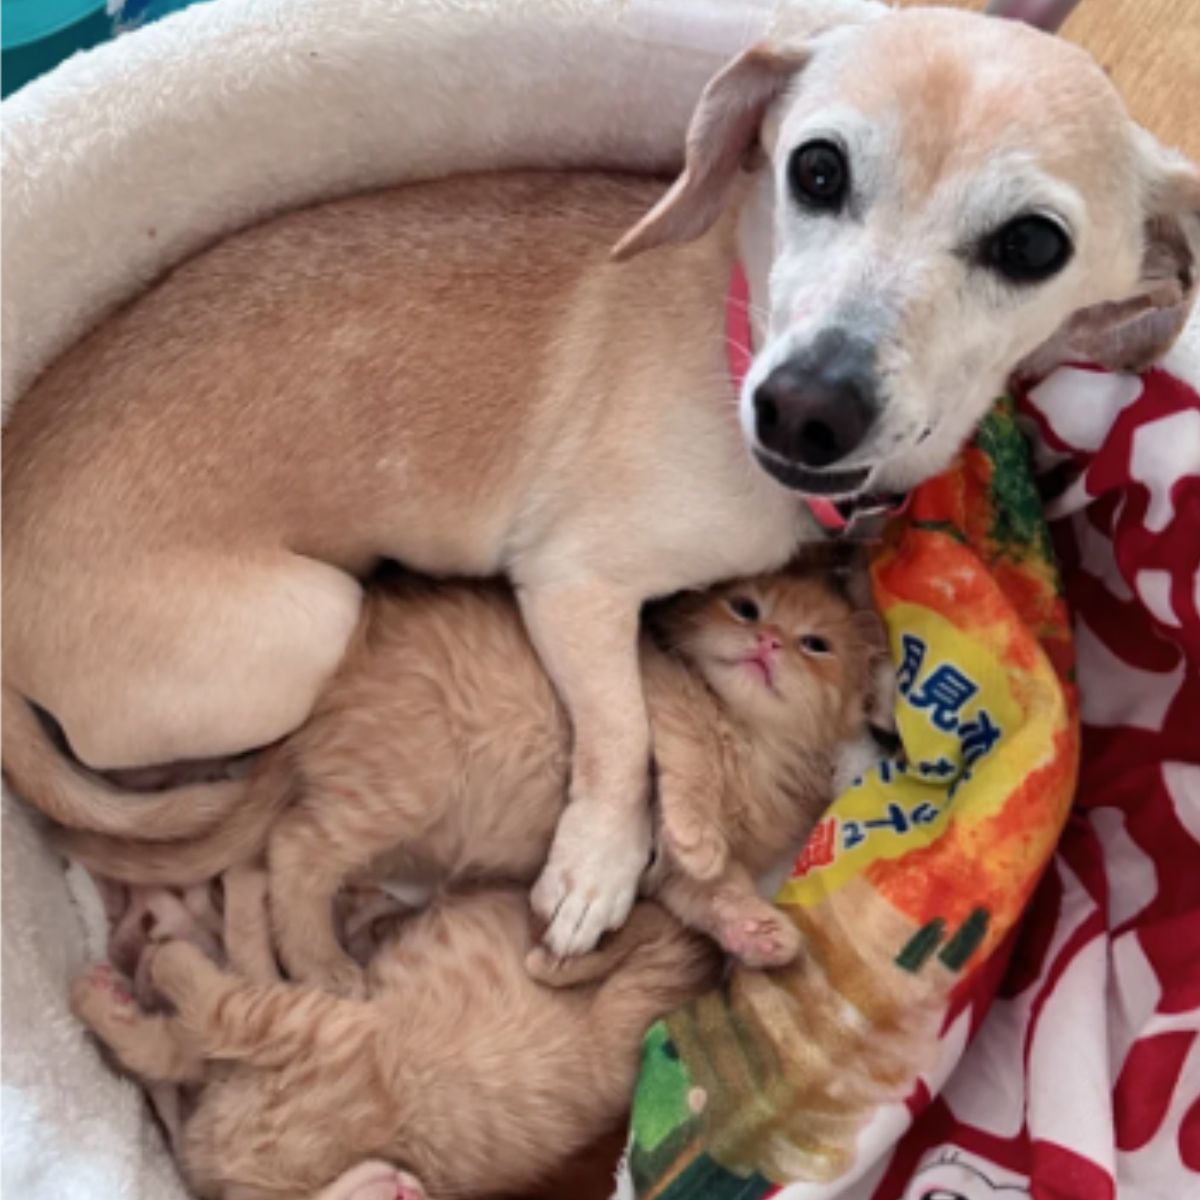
column 1027, row 249
column 819, row 175
column 744, row 608
column 812, row 644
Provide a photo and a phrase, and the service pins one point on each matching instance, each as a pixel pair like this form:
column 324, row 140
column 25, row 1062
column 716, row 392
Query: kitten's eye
column 1027, row 250
column 819, row 175
column 812, row 644
column 743, row 608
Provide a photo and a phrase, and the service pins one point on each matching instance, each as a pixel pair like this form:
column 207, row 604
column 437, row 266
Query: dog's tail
column 239, row 838
column 82, row 802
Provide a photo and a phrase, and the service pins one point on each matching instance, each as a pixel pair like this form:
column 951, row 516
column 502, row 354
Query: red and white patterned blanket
column 1083, row 1083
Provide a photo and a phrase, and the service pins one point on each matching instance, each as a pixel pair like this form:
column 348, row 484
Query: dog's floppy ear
column 723, row 129
column 1130, row 334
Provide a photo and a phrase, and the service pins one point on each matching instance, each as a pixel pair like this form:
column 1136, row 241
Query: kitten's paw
column 349, row 982
column 696, row 846
column 590, row 881
column 374, row 1181
column 172, row 966
column 761, row 936
column 101, row 995
column 342, row 976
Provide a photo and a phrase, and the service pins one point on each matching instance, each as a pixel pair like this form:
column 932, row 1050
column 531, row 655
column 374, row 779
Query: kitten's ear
column 880, row 684
column 660, row 616
column 856, row 582
column 868, row 624
column 836, row 557
column 844, row 565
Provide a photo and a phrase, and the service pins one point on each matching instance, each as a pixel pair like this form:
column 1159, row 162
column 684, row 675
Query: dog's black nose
column 815, row 408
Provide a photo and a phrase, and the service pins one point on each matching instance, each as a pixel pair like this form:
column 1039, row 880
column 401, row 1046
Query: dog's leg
column 223, row 654
column 586, row 636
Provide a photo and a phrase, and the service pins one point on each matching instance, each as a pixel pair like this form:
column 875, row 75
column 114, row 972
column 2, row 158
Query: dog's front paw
column 590, row 880
column 548, row 969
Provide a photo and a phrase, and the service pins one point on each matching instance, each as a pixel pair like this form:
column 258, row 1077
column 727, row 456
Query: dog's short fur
column 456, row 375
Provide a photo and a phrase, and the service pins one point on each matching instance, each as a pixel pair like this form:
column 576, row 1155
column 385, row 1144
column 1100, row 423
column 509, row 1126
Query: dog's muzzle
column 811, row 411
column 817, row 408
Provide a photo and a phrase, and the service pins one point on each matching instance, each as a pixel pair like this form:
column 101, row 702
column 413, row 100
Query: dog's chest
column 719, row 541
column 713, row 525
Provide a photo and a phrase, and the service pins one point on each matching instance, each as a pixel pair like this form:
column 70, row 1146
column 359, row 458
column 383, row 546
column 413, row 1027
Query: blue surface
column 26, row 21
column 39, row 34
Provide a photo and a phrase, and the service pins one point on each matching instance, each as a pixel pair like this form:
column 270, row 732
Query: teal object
column 38, row 34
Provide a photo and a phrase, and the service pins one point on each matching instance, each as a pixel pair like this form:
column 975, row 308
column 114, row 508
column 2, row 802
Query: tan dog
column 456, row 375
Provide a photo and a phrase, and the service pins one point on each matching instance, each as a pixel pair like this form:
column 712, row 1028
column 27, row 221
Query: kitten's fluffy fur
column 459, row 1067
column 441, row 752
column 441, row 736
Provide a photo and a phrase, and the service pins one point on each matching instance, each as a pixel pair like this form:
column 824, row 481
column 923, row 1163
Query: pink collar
column 739, row 345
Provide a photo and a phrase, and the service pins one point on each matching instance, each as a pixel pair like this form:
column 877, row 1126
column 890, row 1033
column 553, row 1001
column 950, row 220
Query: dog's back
column 358, row 380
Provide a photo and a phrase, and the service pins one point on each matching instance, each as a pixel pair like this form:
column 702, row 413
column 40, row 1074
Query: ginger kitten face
column 784, row 652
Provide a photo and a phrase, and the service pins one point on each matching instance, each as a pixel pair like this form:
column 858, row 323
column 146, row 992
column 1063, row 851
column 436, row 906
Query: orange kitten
column 440, row 752
column 459, row 1067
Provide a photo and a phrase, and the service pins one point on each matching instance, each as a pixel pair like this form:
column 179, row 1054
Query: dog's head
column 931, row 200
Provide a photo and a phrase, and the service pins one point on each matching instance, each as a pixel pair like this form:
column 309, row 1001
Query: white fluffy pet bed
column 128, row 158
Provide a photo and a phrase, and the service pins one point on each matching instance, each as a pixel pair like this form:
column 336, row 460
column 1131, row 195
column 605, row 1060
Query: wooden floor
column 1151, row 48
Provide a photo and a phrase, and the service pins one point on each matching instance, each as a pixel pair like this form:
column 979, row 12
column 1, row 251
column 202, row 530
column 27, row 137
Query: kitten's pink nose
column 769, row 642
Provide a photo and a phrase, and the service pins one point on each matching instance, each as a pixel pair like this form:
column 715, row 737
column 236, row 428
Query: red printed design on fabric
column 1084, row 1080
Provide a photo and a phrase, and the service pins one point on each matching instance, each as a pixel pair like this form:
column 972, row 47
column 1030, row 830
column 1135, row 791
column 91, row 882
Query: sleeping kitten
column 460, row 1067
column 440, row 753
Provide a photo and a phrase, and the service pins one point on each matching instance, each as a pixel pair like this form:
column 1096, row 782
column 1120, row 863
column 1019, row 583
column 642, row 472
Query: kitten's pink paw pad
column 104, row 978
column 769, row 941
column 375, row 1181
column 100, row 998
